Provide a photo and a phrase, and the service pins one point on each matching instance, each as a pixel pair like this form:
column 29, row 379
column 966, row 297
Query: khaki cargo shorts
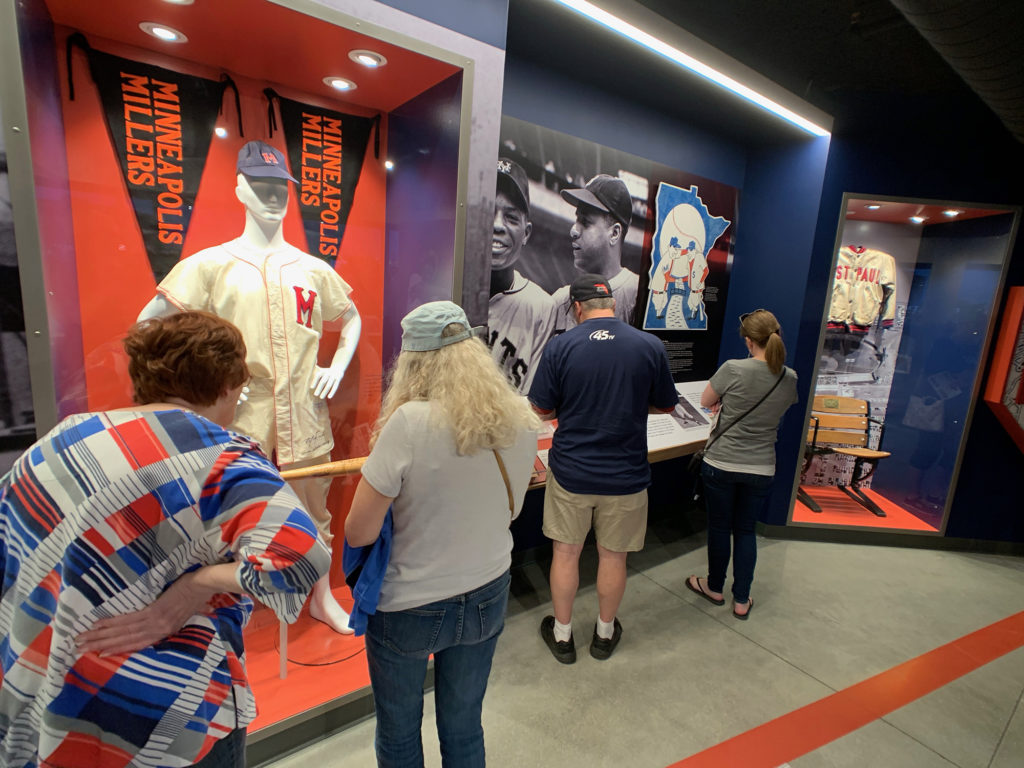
column 620, row 522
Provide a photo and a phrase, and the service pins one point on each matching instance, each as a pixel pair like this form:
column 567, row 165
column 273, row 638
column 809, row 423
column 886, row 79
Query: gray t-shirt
column 750, row 445
column 450, row 512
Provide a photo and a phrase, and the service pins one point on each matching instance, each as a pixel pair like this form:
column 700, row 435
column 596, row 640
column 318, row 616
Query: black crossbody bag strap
column 734, row 422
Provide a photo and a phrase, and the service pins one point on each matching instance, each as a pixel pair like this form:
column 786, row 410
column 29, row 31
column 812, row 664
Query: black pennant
column 325, row 152
column 161, row 123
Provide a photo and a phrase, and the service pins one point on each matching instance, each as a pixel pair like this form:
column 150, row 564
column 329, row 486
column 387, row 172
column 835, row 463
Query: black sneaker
column 564, row 651
column 601, row 648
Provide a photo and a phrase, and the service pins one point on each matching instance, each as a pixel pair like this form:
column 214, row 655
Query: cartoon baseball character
column 281, row 299
column 679, row 266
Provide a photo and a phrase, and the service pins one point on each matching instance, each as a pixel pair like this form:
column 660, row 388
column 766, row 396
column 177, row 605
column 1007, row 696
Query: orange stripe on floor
column 808, row 728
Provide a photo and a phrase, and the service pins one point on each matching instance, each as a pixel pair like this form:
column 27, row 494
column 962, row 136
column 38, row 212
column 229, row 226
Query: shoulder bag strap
column 734, row 422
column 508, row 485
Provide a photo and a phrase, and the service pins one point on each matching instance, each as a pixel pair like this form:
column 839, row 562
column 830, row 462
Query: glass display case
column 908, row 321
column 127, row 140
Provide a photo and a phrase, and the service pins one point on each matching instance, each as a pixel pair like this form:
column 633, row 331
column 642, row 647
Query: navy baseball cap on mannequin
column 512, row 177
column 260, row 160
column 606, row 193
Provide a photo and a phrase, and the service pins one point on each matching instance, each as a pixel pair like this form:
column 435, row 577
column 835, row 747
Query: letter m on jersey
column 304, row 306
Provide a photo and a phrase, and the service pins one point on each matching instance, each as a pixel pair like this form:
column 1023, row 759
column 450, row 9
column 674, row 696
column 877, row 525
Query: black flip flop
column 698, row 591
column 743, row 616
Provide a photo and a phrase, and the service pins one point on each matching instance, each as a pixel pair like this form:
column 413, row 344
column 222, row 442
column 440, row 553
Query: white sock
column 605, row 629
column 562, row 631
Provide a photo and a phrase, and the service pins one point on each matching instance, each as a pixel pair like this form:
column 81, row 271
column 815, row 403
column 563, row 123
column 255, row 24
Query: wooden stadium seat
column 842, row 425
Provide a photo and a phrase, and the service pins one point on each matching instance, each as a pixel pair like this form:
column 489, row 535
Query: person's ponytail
column 775, row 353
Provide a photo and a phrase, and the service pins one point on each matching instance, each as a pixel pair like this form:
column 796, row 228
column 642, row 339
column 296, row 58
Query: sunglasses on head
column 745, row 315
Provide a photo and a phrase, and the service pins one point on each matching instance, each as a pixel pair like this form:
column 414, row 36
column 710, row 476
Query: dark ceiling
column 850, row 58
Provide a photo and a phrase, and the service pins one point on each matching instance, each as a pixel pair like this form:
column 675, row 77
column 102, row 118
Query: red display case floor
column 322, row 665
column 839, row 509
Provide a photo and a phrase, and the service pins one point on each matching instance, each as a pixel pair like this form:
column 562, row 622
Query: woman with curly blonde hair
column 451, row 455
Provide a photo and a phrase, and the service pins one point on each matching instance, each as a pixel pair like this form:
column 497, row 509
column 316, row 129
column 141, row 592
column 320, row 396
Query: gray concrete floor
column 687, row 675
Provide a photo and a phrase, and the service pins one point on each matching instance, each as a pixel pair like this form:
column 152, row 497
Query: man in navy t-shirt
column 600, row 380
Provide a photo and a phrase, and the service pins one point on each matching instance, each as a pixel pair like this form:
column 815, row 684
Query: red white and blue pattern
column 97, row 519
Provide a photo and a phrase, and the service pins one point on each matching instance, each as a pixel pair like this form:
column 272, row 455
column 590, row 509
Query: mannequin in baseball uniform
column 282, row 299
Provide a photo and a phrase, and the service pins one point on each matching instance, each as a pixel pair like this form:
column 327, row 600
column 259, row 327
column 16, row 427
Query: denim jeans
column 733, row 500
column 229, row 752
column 461, row 632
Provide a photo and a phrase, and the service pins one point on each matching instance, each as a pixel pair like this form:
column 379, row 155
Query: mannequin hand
column 131, row 632
column 326, row 381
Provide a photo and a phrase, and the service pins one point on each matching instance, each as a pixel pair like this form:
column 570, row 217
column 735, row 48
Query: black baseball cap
column 260, row 160
column 606, row 193
column 512, row 177
column 589, row 286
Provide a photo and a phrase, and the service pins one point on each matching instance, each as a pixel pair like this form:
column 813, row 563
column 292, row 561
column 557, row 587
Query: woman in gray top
column 450, row 426
column 739, row 468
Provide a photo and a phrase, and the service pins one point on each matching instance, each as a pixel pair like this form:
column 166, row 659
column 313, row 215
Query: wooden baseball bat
column 330, row 469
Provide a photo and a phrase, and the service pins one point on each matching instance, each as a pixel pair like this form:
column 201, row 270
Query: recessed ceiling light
column 951, row 213
column 340, row 83
column 370, row 59
column 221, row 131
column 389, row 165
column 163, row 32
column 180, row 2
column 872, row 207
column 917, row 219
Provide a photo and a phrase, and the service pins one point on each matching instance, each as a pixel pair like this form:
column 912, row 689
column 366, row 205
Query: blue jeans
column 461, row 632
column 734, row 500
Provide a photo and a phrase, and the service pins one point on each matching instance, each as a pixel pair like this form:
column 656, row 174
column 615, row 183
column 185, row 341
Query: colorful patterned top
column 97, row 519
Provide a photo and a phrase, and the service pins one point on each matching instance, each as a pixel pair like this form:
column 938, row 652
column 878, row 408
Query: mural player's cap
column 589, row 286
column 422, row 328
column 606, row 193
column 260, row 160
column 512, row 177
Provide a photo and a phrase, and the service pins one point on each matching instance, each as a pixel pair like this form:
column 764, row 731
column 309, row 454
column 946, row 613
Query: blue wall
column 483, row 20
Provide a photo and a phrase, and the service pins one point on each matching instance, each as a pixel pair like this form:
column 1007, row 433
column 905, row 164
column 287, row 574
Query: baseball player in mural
column 521, row 315
column 679, row 265
column 282, row 299
column 603, row 211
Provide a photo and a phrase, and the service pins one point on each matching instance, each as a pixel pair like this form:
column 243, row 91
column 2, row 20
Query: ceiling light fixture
column 389, row 165
column 951, row 213
column 180, row 2
column 370, row 59
column 221, row 131
column 917, row 219
column 340, row 83
column 163, row 32
column 872, row 207
column 637, row 35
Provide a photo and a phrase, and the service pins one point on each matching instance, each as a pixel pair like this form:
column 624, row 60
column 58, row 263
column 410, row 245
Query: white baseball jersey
column 279, row 300
column 864, row 289
column 624, row 287
column 519, row 323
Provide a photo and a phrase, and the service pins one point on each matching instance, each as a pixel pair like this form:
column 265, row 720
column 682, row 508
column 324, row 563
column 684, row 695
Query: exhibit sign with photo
column 665, row 246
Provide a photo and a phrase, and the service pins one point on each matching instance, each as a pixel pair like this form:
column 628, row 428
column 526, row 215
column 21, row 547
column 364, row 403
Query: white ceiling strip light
column 617, row 25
